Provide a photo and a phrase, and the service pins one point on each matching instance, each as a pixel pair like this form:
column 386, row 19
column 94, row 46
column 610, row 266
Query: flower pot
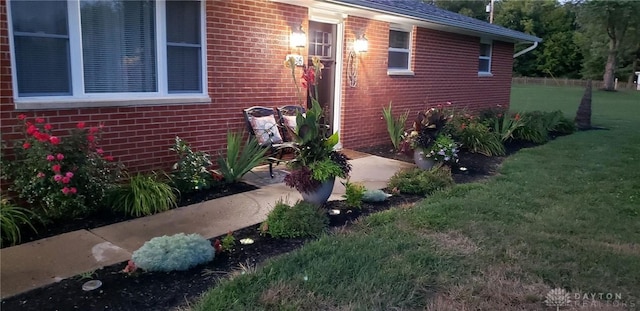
column 421, row 161
column 320, row 195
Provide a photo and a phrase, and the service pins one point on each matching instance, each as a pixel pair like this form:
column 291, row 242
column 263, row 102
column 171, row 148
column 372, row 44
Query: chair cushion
column 266, row 130
column 290, row 122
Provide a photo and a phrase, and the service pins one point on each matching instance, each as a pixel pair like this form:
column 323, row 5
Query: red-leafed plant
column 61, row 177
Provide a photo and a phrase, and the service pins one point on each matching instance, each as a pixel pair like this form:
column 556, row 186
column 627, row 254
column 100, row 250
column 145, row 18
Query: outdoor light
column 361, row 44
column 298, row 38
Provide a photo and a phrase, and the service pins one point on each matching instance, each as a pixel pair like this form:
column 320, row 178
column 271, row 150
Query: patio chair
column 262, row 124
column 287, row 116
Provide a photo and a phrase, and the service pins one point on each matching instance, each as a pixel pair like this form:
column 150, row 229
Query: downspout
column 531, row 48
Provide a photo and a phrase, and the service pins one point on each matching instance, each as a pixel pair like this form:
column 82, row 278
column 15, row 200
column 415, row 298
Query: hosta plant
column 173, row 253
column 61, row 176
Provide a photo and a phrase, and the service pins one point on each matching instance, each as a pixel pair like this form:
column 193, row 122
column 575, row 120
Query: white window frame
column 402, row 71
column 80, row 99
column 489, row 58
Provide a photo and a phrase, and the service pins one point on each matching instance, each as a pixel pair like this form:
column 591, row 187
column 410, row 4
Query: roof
column 421, row 11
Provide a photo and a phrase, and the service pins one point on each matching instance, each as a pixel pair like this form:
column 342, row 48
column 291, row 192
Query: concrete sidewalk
column 35, row 264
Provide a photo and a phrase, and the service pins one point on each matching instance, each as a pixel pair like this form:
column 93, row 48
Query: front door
column 322, row 43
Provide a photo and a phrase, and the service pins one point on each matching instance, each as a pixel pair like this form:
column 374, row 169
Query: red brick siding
column 247, row 42
column 445, row 67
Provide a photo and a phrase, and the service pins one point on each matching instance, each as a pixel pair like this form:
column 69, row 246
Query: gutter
column 527, row 50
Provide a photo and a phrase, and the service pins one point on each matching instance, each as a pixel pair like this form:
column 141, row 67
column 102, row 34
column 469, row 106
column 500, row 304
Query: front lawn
column 562, row 215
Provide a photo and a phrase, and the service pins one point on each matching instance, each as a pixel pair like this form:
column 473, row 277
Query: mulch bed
column 107, row 217
column 168, row 291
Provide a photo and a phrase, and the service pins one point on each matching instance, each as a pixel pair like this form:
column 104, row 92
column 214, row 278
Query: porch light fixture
column 361, row 44
column 298, row 37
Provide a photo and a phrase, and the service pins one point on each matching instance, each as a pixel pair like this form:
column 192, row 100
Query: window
column 399, row 50
column 484, row 60
column 107, row 49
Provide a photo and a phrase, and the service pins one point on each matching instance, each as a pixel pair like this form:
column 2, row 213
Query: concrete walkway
column 35, row 264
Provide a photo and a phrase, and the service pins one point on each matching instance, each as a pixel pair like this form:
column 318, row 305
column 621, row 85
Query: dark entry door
column 322, row 38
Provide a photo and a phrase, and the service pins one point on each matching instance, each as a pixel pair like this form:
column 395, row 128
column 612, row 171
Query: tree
column 471, row 8
column 617, row 21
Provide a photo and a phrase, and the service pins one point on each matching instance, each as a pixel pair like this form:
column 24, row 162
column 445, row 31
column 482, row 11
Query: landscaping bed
column 167, row 291
column 107, row 216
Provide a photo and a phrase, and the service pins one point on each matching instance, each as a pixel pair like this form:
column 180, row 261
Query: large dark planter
column 422, row 161
column 320, row 195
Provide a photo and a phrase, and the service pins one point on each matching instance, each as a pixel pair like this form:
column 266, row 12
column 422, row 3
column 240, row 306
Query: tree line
column 582, row 39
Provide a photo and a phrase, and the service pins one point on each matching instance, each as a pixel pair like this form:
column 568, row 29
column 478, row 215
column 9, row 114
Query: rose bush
column 61, row 177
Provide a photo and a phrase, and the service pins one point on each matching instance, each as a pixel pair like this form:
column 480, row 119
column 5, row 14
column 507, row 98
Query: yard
column 562, row 215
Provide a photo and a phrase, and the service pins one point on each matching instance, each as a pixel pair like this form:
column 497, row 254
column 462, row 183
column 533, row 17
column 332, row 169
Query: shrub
column 191, row 172
column 61, row 177
column 421, row 182
column 504, row 125
column 534, row 128
column 395, row 126
column 475, row 136
column 142, row 195
column 173, row 253
column 353, row 194
column 12, row 218
column 443, row 150
column 301, row 220
column 375, row 196
column 239, row 159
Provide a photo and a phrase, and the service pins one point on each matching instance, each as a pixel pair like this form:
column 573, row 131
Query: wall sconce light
column 361, row 44
column 298, row 37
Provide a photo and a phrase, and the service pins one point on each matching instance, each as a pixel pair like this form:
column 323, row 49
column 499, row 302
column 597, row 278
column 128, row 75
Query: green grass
column 564, row 214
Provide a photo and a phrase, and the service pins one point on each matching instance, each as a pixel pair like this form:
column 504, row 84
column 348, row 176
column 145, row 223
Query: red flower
column 517, row 117
column 108, row 158
column 26, row 145
column 22, row 116
column 57, row 177
column 32, row 129
column 80, row 125
column 48, row 127
column 309, row 76
column 40, row 175
column 56, row 168
column 217, row 246
column 65, row 190
column 54, row 140
column 59, row 156
column 68, row 174
column 41, row 137
column 39, row 120
column 91, row 138
column 73, row 190
column 99, row 151
column 93, row 130
column 50, row 158
column 66, row 180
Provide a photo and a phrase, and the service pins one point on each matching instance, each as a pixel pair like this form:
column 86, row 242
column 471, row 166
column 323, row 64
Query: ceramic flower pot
column 320, row 195
column 421, row 160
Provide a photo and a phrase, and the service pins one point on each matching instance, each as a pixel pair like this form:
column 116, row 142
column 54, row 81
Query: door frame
column 337, row 19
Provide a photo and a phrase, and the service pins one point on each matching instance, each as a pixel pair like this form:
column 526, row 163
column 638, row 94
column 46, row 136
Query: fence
column 567, row 82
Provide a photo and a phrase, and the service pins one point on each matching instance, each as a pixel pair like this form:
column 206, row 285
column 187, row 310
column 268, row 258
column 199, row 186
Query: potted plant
column 426, row 129
column 316, row 164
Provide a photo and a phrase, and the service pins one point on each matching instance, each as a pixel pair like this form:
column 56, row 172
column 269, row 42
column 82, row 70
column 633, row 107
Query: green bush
column 301, row 220
column 61, row 177
column 395, row 126
column 353, row 194
column 557, row 123
column 191, row 172
column 475, row 136
column 12, row 218
column 239, row 159
column 421, row 182
column 534, row 128
column 173, row 253
column 142, row 195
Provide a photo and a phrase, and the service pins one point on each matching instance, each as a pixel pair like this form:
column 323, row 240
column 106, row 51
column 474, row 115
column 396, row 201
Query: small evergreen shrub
column 300, row 220
column 353, row 194
column 421, row 182
column 375, row 196
column 173, row 253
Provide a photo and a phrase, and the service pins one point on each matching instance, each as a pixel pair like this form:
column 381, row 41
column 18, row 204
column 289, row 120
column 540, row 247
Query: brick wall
column 247, row 42
column 445, row 67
